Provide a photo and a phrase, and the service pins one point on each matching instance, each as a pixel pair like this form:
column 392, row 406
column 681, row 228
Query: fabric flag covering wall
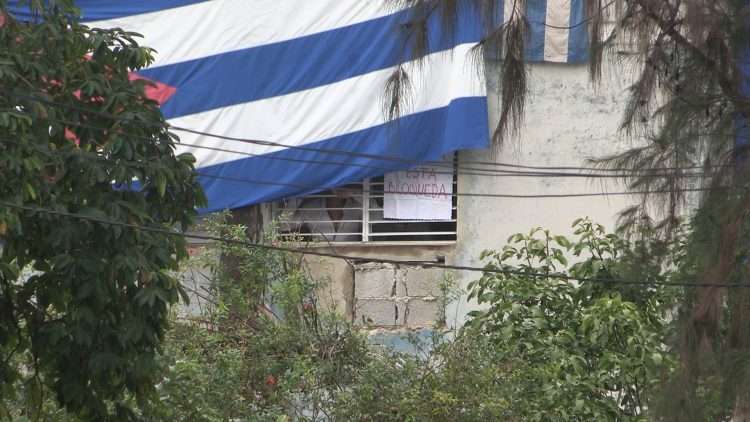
column 557, row 30
column 309, row 76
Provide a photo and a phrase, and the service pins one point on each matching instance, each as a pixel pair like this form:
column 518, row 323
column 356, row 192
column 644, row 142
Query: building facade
column 567, row 121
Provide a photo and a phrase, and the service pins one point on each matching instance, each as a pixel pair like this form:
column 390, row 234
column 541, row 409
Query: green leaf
column 184, row 297
column 563, row 241
column 657, row 358
column 30, row 191
column 161, row 184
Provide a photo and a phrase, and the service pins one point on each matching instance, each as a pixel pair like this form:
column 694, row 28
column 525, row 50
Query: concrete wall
column 382, row 295
column 567, row 121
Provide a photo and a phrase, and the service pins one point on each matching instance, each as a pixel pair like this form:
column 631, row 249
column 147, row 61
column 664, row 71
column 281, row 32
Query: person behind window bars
column 331, row 216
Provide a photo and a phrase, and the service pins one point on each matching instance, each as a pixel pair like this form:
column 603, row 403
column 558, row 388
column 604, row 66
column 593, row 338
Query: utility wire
column 99, row 160
column 346, row 153
column 459, row 170
column 470, row 194
column 327, row 150
column 579, row 23
column 487, row 269
column 656, row 173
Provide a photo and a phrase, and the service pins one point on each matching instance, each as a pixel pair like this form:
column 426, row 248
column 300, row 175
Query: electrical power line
column 579, row 23
column 99, row 160
column 348, row 153
column 458, row 169
column 329, row 150
column 656, row 173
column 471, row 194
column 487, row 269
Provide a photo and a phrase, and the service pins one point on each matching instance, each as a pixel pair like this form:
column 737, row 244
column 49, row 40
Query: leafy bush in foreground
column 542, row 349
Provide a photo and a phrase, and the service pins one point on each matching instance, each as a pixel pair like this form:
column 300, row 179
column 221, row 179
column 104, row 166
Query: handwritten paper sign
column 424, row 193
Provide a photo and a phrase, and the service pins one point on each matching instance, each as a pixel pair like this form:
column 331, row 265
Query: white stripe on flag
column 556, row 39
column 220, row 26
column 332, row 110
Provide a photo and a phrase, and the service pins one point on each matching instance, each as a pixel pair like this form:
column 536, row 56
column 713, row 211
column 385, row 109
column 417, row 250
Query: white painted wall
column 567, row 120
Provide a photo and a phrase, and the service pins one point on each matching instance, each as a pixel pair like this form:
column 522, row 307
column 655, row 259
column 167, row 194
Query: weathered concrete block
column 402, row 273
column 374, row 281
column 420, row 282
column 422, row 312
column 379, row 312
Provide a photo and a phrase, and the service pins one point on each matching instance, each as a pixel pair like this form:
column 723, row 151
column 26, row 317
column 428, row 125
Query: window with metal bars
column 355, row 213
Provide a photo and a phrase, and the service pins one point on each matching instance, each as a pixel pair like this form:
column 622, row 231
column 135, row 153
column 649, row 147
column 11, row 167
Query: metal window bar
column 366, row 211
column 354, row 213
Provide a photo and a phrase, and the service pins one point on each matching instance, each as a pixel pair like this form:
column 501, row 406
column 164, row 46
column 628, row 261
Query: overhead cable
column 489, row 269
column 99, row 160
column 656, row 173
column 332, row 151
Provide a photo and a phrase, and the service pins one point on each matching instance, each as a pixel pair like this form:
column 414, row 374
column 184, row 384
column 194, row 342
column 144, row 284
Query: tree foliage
column 86, row 323
column 544, row 350
column 591, row 351
column 687, row 114
column 84, row 305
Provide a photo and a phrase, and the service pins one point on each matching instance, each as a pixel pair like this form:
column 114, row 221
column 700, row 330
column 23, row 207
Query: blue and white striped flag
column 309, row 76
column 557, row 30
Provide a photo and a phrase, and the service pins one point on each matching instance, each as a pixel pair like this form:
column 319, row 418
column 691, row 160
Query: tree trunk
column 739, row 344
column 250, row 217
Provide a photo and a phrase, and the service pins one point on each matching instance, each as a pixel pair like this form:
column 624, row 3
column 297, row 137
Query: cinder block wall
column 387, row 295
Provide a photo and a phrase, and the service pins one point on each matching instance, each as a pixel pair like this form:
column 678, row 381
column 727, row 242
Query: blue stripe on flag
column 741, row 121
column 277, row 69
column 536, row 14
column 499, row 15
column 578, row 36
column 422, row 136
column 95, row 10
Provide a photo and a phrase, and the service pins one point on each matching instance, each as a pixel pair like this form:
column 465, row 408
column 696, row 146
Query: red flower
column 271, row 381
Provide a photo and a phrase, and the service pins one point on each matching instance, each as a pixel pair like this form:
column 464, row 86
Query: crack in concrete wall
column 396, row 296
